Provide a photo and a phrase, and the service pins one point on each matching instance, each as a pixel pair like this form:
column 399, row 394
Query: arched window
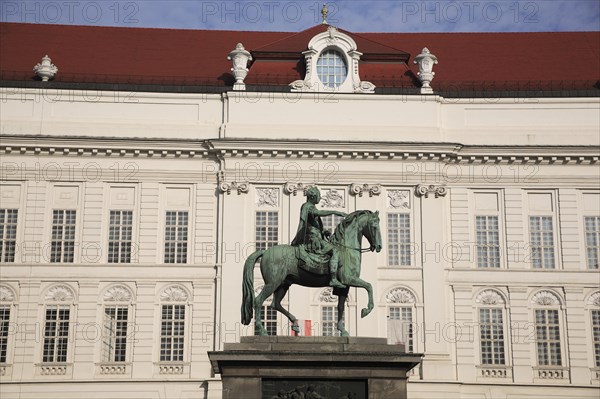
column 115, row 343
column 401, row 317
column 593, row 304
column 174, row 325
column 58, row 315
column 331, row 68
column 492, row 332
column 548, row 326
column 7, row 314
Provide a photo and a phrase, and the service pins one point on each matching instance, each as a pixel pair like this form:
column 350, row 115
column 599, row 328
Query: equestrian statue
column 314, row 259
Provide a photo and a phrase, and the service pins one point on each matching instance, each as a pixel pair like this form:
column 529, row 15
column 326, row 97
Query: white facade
column 133, row 213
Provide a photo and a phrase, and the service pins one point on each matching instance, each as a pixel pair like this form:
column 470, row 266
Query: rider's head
column 314, row 195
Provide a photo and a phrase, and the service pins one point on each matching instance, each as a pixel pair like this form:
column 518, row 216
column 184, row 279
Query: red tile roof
column 199, row 57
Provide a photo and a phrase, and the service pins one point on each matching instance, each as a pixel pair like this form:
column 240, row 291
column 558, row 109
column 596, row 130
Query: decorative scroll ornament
column 372, row 189
column 423, row 190
column 399, row 199
column 327, row 295
column 333, row 199
column 225, row 187
column 60, row 293
column 292, row 188
column 426, row 60
column 545, row 298
column 118, row 293
column 6, row 294
column 489, row 297
column 400, row 295
column 46, row 69
column 240, row 57
column 267, row 197
column 594, row 299
column 173, row 294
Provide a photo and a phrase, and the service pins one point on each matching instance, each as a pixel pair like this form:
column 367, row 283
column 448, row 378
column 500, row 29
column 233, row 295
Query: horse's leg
column 267, row 290
column 358, row 282
column 277, row 298
column 342, row 296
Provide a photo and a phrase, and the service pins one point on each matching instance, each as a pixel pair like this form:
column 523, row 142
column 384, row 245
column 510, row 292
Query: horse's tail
column 248, row 287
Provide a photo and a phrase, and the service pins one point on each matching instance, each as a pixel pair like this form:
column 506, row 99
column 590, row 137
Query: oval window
column 331, row 68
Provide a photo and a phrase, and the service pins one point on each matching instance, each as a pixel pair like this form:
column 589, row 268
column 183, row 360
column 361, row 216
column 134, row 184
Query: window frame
column 411, row 243
column 499, row 213
column 3, row 241
column 76, row 237
column 176, row 241
column 556, row 231
column 19, row 205
column 342, row 56
column 11, row 302
column 132, row 249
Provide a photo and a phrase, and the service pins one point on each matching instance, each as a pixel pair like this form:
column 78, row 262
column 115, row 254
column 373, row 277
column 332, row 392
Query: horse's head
column 372, row 231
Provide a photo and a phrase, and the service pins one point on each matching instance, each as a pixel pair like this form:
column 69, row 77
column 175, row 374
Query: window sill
column 54, row 369
column 172, row 368
column 551, row 373
column 494, row 371
column 113, row 368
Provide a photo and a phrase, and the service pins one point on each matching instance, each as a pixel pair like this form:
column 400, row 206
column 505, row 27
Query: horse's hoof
column 345, row 333
column 364, row 312
column 296, row 328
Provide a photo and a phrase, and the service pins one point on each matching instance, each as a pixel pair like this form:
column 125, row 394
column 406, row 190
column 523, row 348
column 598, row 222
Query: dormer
column 332, row 63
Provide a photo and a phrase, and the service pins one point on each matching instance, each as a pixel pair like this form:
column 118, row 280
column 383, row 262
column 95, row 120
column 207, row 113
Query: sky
column 294, row 16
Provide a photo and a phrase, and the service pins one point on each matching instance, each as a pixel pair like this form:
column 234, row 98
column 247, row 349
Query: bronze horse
column 280, row 269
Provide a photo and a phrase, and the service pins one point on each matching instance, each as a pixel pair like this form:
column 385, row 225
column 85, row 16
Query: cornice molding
column 450, row 153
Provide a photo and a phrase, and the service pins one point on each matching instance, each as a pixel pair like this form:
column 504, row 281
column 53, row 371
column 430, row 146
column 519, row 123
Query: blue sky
column 356, row 16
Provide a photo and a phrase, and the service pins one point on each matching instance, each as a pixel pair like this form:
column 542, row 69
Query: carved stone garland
column 268, row 197
column 399, row 199
column 333, row 199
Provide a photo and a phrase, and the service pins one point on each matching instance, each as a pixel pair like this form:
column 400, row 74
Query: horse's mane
column 340, row 230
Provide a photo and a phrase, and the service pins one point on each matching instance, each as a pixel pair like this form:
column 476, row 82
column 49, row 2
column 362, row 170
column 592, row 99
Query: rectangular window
column 8, row 234
column 399, row 248
column 267, row 229
column 491, row 334
column 268, row 315
column 329, row 316
column 114, row 337
column 56, row 334
column 592, row 240
column 596, row 336
column 405, row 315
column 172, row 329
column 176, row 236
column 541, row 233
column 330, row 222
column 488, row 241
column 63, row 236
column 547, row 328
column 4, row 320
column 119, row 236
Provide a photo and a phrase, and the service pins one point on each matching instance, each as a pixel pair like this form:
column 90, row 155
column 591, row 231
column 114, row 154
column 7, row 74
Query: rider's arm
column 322, row 213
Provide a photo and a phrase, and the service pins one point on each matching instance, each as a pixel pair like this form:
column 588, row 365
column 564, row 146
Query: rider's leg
column 333, row 266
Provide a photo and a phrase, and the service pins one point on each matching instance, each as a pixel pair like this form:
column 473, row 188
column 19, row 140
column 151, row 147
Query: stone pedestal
column 313, row 367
